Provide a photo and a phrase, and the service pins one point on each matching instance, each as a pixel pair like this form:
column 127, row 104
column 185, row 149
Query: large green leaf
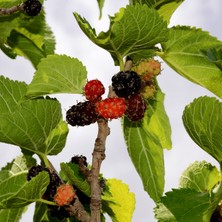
column 185, row 204
column 146, row 153
column 118, row 201
column 183, row 52
column 133, row 30
column 16, row 191
column 200, row 176
column 164, row 7
column 156, row 120
column 202, row 120
column 36, row 126
column 58, row 74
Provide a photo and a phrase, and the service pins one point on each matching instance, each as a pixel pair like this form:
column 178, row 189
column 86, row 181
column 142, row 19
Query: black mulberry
column 32, row 7
column 126, row 83
column 81, row 114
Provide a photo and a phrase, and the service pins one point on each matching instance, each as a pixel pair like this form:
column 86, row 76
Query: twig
column 13, row 9
column 98, row 157
column 77, row 210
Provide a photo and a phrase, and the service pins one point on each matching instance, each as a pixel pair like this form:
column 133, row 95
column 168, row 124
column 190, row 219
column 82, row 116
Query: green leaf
column 118, row 202
column 185, row 205
column 183, row 52
column 11, row 215
column 200, row 176
column 156, row 120
column 146, row 153
column 58, row 74
column 133, row 30
column 202, row 120
column 164, row 7
column 11, row 94
column 36, row 127
column 71, row 171
column 17, row 192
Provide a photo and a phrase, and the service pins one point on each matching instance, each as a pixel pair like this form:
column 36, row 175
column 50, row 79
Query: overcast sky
column 179, row 92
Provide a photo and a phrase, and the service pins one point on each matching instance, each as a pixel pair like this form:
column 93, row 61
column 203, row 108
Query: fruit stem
column 121, row 64
column 46, row 202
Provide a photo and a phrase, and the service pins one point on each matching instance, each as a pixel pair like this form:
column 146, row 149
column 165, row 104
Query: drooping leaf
column 183, row 52
column 146, row 153
column 17, row 192
column 58, row 74
column 72, row 173
column 118, row 202
column 185, row 205
column 36, row 125
column 133, row 30
column 202, row 120
column 200, row 176
column 164, row 7
column 156, row 120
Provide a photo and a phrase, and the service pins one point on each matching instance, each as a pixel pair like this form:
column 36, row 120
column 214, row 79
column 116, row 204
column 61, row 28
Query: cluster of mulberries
column 59, row 192
column 147, row 70
column 131, row 87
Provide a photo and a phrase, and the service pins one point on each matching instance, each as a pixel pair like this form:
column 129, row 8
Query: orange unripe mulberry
column 64, row 195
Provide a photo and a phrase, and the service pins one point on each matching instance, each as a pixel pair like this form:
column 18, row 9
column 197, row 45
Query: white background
column 179, row 92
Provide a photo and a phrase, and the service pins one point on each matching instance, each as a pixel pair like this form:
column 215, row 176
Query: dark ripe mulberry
column 55, row 182
column 81, row 114
column 58, row 212
column 136, row 107
column 126, row 83
column 34, row 171
column 32, row 7
column 79, row 160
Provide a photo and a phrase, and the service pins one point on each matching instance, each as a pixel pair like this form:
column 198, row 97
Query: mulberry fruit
column 126, row 83
column 81, row 114
column 94, row 90
column 32, row 7
column 64, row 195
column 136, row 107
column 77, row 159
column 111, row 108
column 34, row 171
column 147, row 68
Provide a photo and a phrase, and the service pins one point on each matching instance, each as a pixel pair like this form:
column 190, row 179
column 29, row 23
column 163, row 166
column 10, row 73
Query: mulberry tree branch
column 13, row 9
column 98, row 157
